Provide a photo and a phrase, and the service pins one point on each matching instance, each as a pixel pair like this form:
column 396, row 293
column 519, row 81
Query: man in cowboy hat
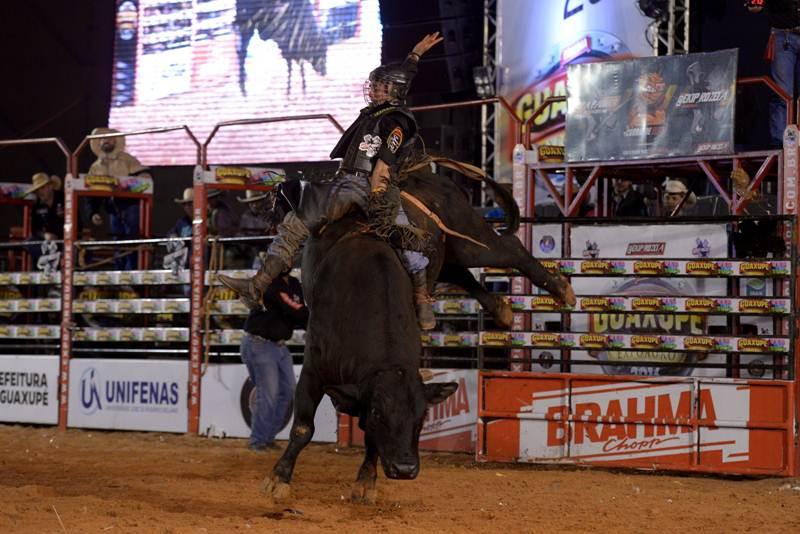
column 183, row 227
column 48, row 213
column 674, row 191
column 253, row 221
column 112, row 160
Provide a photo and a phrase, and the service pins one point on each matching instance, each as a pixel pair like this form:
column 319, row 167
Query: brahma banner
column 536, row 43
column 449, row 426
column 226, row 406
column 722, row 425
column 652, row 107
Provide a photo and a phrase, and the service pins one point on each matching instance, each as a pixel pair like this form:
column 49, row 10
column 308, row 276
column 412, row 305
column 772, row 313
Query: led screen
column 200, row 62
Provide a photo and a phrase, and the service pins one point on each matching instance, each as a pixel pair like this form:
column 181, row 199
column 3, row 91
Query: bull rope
column 435, row 218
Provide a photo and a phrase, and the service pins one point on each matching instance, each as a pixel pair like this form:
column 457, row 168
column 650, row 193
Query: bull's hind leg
column 496, row 305
column 364, row 487
column 306, row 399
column 507, row 251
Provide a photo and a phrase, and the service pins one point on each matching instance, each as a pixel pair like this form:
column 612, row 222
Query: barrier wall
column 716, row 425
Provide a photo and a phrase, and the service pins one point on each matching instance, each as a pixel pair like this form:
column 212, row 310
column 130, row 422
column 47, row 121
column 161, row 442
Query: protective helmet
column 395, row 78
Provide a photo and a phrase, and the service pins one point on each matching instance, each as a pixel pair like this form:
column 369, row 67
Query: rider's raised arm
column 413, row 57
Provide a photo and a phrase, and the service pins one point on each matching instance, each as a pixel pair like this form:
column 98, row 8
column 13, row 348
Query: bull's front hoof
column 276, row 489
column 362, row 494
column 504, row 315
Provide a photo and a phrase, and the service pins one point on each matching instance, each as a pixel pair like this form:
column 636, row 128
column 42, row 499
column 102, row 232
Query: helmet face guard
column 392, row 79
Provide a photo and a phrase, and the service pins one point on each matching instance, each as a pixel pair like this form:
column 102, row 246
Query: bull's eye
column 374, row 412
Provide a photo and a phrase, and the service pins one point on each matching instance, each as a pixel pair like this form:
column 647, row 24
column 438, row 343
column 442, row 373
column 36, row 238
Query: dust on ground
column 98, row 481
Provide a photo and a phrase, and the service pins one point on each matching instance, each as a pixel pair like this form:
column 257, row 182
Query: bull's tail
column 503, row 197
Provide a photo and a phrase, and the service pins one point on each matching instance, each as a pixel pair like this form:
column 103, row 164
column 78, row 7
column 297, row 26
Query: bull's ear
column 436, row 392
column 345, row 398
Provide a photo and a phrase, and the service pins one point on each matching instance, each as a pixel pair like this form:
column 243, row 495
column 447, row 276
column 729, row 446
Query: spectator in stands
column 47, row 219
column 183, row 226
column 627, row 201
column 674, row 193
column 268, row 361
column 48, row 212
column 221, row 220
column 253, row 222
column 783, row 53
column 123, row 213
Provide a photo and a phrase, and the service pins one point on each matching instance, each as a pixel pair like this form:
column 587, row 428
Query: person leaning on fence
column 123, row 213
column 47, row 216
column 372, row 149
column 268, row 361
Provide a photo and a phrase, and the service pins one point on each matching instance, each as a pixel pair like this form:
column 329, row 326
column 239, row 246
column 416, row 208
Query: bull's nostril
column 408, row 470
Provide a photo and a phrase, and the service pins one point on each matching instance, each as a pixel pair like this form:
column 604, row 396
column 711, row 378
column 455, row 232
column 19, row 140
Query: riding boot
column 423, row 301
column 292, row 232
column 251, row 290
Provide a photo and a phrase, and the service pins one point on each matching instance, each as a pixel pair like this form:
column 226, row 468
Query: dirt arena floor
column 95, row 481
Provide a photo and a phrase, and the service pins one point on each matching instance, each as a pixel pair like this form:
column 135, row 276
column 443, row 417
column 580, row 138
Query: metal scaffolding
column 669, row 34
column 489, row 111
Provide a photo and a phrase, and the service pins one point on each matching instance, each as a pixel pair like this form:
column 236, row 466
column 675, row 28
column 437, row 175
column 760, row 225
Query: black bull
column 363, row 342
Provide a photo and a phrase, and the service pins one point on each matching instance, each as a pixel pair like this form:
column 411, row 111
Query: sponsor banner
column 124, row 278
column 695, row 268
column 30, row 305
column 643, row 341
column 721, row 425
column 132, row 334
column 451, row 425
column 535, row 47
column 651, row 250
column 227, row 400
column 29, row 331
column 650, row 241
column 148, row 395
column 633, row 421
column 679, row 105
column 14, row 191
column 260, row 176
column 172, row 305
column 30, row 278
column 454, row 339
column 140, row 185
column 662, row 304
column 29, row 389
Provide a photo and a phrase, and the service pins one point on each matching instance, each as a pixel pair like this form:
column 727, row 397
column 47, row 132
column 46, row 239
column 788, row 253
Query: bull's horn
column 426, row 374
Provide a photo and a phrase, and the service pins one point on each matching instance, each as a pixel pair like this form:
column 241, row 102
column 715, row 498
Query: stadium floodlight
column 483, row 76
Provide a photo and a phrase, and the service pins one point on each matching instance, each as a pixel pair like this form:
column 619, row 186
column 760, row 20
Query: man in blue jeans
column 268, row 361
column 783, row 52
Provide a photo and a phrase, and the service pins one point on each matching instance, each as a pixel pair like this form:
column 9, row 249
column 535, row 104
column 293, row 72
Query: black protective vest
column 349, row 147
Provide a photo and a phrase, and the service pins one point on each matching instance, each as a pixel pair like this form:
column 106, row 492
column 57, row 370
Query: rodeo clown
column 372, row 150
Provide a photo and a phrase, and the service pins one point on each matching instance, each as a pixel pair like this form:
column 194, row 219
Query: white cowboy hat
column 188, row 195
column 678, row 187
column 41, row 179
column 251, row 195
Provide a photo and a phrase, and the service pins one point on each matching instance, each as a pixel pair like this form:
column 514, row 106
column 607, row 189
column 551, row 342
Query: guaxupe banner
column 29, row 389
column 128, row 394
column 648, row 242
